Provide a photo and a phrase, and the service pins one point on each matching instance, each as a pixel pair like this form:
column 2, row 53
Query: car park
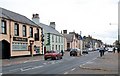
column 52, row 55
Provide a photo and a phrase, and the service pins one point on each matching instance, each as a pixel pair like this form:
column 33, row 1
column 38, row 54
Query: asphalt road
column 50, row 66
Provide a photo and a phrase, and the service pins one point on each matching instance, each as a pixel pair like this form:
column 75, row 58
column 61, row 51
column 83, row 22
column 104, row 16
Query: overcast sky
column 92, row 17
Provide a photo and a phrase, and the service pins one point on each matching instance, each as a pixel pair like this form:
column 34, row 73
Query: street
column 50, row 66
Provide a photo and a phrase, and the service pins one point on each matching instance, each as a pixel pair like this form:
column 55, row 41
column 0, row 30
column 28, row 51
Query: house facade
column 73, row 40
column 19, row 35
column 89, row 42
column 53, row 40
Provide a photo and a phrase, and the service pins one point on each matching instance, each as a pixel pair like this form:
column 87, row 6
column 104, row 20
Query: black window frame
column 24, row 31
column 31, row 31
column 16, row 30
column 4, row 27
column 37, row 35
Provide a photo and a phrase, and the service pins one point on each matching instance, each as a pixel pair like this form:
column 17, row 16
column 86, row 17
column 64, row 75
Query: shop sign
column 20, row 39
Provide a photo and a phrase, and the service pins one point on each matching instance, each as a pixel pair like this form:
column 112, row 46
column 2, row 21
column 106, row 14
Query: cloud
column 88, row 16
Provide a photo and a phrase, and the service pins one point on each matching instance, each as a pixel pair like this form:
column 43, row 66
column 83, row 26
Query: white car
column 110, row 49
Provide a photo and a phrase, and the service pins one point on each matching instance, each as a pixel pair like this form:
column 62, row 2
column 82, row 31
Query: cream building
column 72, row 40
column 19, row 36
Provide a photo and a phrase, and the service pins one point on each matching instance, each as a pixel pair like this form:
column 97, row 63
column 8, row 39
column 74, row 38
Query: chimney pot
column 64, row 31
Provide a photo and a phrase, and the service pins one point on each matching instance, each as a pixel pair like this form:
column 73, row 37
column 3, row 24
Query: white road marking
column 66, row 73
column 44, row 63
column 73, row 69
column 30, row 61
column 30, row 68
column 13, row 70
column 88, row 62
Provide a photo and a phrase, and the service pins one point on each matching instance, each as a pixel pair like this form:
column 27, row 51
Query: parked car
column 75, row 52
column 110, row 49
column 85, row 52
column 68, row 49
column 52, row 55
column 90, row 49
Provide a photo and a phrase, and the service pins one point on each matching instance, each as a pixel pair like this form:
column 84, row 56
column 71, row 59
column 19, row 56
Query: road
column 50, row 66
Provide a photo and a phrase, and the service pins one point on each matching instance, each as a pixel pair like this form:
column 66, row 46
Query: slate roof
column 15, row 17
column 69, row 37
column 50, row 29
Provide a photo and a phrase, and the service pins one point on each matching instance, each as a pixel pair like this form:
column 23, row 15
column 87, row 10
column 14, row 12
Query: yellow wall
column 10, row 31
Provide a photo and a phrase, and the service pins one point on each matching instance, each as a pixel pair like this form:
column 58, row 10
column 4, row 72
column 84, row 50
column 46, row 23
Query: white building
column 53, row 40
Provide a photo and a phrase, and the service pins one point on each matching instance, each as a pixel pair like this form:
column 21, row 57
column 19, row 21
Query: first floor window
column 16, row 29
column 3, row 26
column 24, row 31
column 31, row 32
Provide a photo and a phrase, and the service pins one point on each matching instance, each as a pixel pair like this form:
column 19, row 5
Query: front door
column 5, row 49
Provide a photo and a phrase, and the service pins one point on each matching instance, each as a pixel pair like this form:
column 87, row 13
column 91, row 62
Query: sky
column 91, row 17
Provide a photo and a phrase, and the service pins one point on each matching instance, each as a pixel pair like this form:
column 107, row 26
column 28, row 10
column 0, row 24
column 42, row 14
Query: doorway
column 5, row 49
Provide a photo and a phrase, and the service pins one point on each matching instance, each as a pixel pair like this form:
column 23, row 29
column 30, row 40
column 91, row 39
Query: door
column 5, row 49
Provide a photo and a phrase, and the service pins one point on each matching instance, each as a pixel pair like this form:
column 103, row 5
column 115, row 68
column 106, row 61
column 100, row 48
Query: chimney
column 64, row 31
column 35, row 18
column 52, row 24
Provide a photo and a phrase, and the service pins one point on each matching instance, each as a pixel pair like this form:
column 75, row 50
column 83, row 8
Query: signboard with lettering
column 20, row 39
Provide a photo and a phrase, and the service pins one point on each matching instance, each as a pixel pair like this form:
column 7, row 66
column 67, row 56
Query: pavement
column 12, row 61
column 108, row 64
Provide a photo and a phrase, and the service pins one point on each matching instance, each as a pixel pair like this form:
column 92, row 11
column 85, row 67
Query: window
column 56, row 39
column 31, row 32
column 52, row 38
column 59, row 39
column 3, row 27
column 56, row 47
column 16, row 29
column 37, row 35
column 24, row 31
column 59, row 47
column 37, row 31
column 52, row 47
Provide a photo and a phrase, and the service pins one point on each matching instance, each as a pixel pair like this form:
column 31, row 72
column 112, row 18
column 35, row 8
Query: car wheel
column 61, row 57
column 45, row 58
column 56, row 58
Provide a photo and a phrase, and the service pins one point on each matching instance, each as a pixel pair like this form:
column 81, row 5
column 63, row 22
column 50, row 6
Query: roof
column 15, row 17
column 50, row 29
column 69, row 37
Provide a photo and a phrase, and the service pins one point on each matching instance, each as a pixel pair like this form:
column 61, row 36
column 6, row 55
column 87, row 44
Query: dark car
column 52, row 55
column 75, row 52
column 68, row 49
column 85, row 52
